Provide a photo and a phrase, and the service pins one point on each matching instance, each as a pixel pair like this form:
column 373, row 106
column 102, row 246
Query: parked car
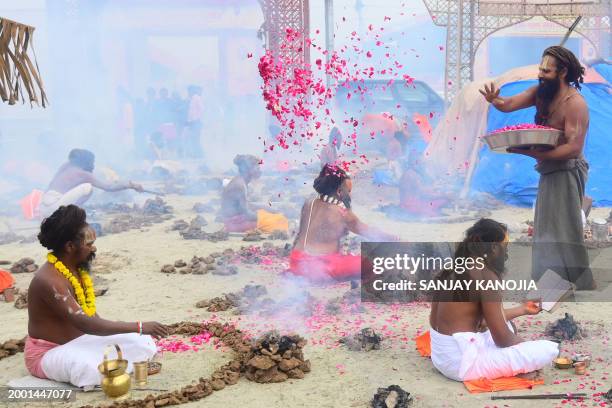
column 397, row 97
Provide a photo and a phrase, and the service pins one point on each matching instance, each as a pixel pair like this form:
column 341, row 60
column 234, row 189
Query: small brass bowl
column 563, row 363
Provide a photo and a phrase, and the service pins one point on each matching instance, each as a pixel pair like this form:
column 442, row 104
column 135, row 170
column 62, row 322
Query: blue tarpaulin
column 512, row 177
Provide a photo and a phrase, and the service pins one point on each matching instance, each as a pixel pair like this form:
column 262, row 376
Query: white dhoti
column 52, row 200
column 469, row 356
column 76, row 362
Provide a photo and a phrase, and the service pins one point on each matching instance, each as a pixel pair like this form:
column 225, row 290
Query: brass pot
column 115, row 381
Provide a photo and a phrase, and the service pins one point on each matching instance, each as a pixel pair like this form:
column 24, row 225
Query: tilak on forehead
column 547, row 62
column 90, row 234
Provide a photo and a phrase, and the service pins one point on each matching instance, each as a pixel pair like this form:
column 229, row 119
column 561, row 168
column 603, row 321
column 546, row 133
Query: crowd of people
column 164, row 125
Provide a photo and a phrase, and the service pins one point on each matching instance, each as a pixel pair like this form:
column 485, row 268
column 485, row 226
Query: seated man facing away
column 235, row 211
column 417, row 194
column 74, row 181
column 325, row 219
column 66, row 336
column 458, row 349
column 329, row 153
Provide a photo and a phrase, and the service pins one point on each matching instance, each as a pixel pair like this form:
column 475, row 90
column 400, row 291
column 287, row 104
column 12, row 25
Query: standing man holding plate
column 558, row 229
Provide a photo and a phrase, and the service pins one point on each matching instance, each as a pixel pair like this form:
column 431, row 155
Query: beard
column 87, row 263
column 545, row 93
column 498, row 264
column 346, row 199
column 548, row 88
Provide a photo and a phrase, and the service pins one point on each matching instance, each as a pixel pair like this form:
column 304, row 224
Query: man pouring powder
column 558, row 228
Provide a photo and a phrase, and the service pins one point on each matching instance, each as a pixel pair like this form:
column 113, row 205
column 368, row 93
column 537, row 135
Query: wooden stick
column 540, row 396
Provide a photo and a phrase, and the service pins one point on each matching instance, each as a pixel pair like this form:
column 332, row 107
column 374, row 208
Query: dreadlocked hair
column 480, row 236
column 329, row 180
column 566, row 59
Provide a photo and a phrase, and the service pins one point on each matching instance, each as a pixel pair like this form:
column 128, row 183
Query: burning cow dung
column 391, row 397
column 217, row 304
column 243, row 300
column 565, row 329
column 365, row 340
column 276, row 358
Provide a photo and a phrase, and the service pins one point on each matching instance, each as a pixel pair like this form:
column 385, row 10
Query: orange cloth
column 424, row 126
column 324, row 267
column 500, row 384
column 268, row 222
column 34, row 351
column 6, row 280
column 30, row 204
column 423, row 346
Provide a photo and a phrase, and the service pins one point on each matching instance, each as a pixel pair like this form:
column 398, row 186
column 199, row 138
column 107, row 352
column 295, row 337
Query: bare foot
column 534, row 375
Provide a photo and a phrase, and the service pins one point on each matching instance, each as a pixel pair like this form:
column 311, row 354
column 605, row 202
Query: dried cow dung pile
column 256, row 254
column 243, row 300
column 156, row 206
column 254, row 235
column 24, row 265
column 126, row 222
column 11, row 347
column 365, row 340
column 153, row 211
column 391, row 397
column 195, row 224
column 196, row 232
column 565, row 329
column 217, row 263
column 218, row 304
column 179, row 225
column 276, row 358
column 21, row 301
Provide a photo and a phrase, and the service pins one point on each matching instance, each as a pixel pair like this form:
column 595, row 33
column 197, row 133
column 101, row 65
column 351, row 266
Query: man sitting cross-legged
column 66, row 336
column 324, row 221
column 458, row 349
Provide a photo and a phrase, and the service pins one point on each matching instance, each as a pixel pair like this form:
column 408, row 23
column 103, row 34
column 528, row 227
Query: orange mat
column 423, row 346
column 269, row 222
column 6, row 280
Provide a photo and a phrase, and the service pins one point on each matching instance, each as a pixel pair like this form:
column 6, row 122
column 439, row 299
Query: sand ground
column 131, row 262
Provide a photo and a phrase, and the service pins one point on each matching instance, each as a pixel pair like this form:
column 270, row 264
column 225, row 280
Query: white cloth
column 469, row 356
column 52, row 200
column 76, row 362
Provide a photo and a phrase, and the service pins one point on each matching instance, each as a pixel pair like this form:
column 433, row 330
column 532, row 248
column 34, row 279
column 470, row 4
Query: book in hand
column 552, row 288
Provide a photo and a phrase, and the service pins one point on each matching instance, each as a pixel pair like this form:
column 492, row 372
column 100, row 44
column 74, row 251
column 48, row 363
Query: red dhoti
column 324, row 267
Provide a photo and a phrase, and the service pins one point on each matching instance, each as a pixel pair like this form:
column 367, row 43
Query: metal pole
column 329, row 33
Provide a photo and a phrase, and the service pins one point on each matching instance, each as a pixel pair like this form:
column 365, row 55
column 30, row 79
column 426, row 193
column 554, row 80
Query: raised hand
column 489, row 92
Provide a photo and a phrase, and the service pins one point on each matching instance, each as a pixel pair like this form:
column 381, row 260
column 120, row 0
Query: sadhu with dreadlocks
column 558, row 228
column 459, row 349
column 325, row 219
